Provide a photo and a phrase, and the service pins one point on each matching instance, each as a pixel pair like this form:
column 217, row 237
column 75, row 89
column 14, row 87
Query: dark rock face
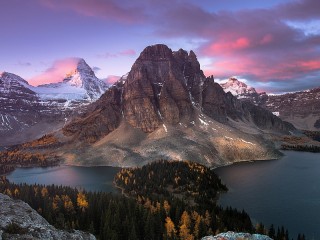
column 265, row 119
column 101, row 118
column 317, row 124
column 297, row 103
column 165, row 87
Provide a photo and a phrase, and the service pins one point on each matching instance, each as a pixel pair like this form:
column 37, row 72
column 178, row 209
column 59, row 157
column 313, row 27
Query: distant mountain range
column 165, row 108
column 301, row 108
column 28, row 112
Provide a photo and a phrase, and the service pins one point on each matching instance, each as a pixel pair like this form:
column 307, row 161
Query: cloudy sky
column 274, row 45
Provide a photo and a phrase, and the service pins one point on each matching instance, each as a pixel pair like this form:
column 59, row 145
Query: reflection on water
column 283, row 192
column 88, row 178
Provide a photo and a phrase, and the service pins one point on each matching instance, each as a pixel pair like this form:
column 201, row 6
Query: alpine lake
column 280, row 192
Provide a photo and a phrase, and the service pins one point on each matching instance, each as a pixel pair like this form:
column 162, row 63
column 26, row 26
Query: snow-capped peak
column 81, row 73
column 80, row 82
column 236, row 87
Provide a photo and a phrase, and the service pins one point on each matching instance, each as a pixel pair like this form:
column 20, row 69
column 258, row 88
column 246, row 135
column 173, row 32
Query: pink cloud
column 266, row 39
column 111, row 79
column 126, row 53
column 56, row 73
column 227, row 46
column 106, row 9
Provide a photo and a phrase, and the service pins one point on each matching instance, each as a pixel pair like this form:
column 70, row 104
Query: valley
column 159, row 120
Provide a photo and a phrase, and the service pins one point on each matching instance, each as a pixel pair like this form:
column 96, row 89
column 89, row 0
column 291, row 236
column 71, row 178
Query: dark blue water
column 88, row 178
column 283, row 192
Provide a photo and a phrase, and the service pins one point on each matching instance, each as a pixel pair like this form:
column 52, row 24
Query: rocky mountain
column 167, row 109
column 28, row 112
column 16, row 97
column 79, row 84
column 301, row 108
column 19, row 221
column 238, row 88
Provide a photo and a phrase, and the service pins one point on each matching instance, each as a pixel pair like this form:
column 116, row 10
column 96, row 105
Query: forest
column 145, row 214
column 302, row 148
column 315, row 135
column 16, row 156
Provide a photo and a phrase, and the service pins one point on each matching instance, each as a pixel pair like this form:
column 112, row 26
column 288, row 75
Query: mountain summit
column 238, row 88
column 80, row 83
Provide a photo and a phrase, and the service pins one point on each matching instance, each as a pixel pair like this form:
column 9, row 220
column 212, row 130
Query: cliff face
column 102, row 117
column 19, row 221
column 159, row 88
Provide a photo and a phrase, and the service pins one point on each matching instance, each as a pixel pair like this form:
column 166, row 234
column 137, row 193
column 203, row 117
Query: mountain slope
column 302, row 109
column 18, row 102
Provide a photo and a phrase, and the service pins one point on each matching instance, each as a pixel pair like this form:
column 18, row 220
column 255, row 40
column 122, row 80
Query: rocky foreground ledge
column 237, row 236
column 19, row 221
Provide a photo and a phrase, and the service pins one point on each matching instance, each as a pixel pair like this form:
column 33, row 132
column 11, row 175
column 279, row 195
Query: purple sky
column 274, row 45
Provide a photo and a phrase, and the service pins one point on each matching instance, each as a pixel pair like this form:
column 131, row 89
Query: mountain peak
column 79, row 83
column 156, row 52
column 10, row 77
column 83, row 66
column 237, row 88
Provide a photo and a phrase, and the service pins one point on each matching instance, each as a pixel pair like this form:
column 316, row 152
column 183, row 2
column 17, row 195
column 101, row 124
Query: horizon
column 273, row 46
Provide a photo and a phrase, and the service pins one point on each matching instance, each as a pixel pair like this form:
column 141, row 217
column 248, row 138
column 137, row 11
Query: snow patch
column 165, row 128
column 203, row 122
column 247, row 142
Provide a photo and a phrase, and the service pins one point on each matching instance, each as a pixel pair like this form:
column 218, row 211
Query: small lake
column 88, row 178
column 283, row 192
